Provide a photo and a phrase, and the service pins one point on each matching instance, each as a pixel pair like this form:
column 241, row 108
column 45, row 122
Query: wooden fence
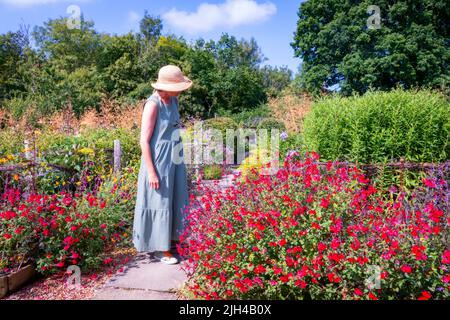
column 32, row 162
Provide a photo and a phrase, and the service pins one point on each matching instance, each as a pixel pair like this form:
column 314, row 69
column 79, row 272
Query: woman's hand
column 153, row 181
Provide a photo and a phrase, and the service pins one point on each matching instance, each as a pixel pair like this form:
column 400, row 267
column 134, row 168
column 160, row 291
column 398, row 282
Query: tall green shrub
column 381, row 127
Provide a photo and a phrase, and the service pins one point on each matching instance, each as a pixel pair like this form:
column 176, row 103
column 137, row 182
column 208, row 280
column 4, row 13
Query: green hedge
column 272, row 123
column 381, row 127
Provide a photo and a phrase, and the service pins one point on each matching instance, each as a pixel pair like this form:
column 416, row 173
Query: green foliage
column 411, row 47
column 381, row 127
column 251, row 118
column 221, row 124
column 81, row 66
column 212, row 172
column 226, row 76
column 276, row 79
column 272, row 123
column 294, row 142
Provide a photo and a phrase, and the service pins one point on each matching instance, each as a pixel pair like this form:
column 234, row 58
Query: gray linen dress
column 159, row 214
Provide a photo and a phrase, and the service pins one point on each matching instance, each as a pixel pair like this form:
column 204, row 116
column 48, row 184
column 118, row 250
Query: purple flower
column 284, row 135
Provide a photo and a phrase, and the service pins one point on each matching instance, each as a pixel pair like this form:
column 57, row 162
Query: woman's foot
column 166, row 257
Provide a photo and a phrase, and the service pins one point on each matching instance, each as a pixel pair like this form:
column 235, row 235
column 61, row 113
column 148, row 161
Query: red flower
column 429, row 183
column 406, row 269
column 7, row 236
column 418, row 252
column 324, row 203
column 321, row 247
column 358, row 292
column 260, row 269
column 372, row 296
column 355, row 244
column 425, row 296
column 282, row 242
column 446, row 257
column 333, row 278
column 277, row 270
column 107, row 261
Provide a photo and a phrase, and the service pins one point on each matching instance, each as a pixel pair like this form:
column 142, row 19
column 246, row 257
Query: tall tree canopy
column 81, row 66
column 410, row 48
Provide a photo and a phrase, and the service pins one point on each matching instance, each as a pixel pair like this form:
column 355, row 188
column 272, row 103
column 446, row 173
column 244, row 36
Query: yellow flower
column 86, row 151
column 78, row 183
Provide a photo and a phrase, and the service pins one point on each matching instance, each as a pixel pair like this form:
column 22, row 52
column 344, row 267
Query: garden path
column 145, row 278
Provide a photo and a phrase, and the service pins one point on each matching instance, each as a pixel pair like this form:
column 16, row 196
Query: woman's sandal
column 165, row 258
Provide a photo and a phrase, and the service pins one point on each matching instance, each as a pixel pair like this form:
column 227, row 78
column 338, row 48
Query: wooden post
column 402, row 178
column 26, row 145
column 28, row 157
column 117, row 156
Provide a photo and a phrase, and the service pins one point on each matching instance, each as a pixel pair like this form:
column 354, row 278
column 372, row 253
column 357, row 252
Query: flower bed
column 318, row 233
column 64, row 229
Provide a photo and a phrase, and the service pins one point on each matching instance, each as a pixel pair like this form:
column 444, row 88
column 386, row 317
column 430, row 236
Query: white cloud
column 30, row 3
column 232, row 13
column 133, row 19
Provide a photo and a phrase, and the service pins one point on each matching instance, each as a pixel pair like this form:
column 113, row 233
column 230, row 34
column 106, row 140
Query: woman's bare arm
column 149, row 117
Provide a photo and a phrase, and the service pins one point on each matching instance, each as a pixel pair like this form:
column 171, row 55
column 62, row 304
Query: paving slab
column 144, row 278
column 110, row 293
column 144, row 272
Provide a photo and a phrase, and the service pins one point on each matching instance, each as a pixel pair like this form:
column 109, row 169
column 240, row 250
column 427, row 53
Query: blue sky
column 271, row 22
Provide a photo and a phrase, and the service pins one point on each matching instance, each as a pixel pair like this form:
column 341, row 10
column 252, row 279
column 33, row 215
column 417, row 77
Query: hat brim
column 173, row 87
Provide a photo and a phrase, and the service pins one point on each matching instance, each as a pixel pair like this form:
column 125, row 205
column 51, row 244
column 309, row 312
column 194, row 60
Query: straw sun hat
column 171, row 78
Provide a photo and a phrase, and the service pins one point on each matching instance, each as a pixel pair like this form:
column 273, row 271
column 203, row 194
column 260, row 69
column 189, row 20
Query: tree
column 276, row 79
column 68, row 48
column 410, row 48
column 230, row 52
column 151, row 28
column 18, row 64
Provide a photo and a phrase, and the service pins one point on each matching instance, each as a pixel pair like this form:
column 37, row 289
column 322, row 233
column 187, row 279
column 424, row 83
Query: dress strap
column 154, row 98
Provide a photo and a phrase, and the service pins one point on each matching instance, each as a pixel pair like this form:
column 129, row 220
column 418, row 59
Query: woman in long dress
column 162, row 193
